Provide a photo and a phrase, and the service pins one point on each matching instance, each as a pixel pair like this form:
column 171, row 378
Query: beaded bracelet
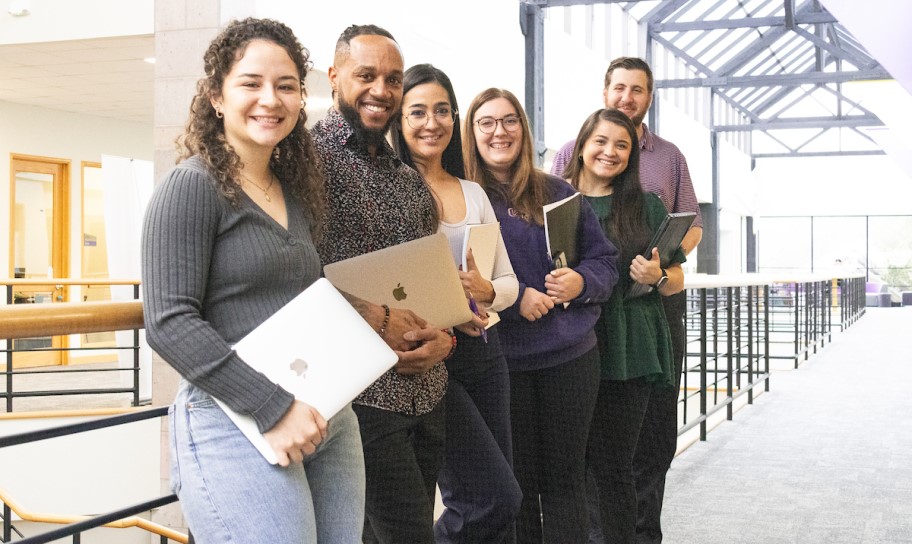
column 386, row 320
column 453, row 347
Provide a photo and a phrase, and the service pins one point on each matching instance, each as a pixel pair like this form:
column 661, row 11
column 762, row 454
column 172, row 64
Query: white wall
column 477, row 51
column 87, row 473
column 30, row 130
column 575, row 69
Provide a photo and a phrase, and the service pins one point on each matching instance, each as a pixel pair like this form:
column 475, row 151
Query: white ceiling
column 104, row 77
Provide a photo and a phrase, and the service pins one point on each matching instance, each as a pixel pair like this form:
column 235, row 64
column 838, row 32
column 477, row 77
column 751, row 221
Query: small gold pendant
column 267, row 197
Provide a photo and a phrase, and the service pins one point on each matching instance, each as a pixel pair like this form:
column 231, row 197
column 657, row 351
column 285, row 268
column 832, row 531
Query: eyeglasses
column 418, row 119
column 488, row 125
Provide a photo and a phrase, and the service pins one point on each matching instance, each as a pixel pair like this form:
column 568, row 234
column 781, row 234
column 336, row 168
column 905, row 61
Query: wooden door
column 39, row 244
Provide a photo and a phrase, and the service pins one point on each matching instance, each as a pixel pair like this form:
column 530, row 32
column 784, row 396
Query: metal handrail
column 121, row 519
column 732, row 322
column 38, row 320
column 124, row 518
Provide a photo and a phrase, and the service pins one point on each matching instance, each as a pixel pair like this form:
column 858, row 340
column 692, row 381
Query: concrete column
column 183, row 31
column 708, row 256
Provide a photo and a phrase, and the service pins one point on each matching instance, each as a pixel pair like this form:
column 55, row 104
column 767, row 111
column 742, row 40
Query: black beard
column 367, row 136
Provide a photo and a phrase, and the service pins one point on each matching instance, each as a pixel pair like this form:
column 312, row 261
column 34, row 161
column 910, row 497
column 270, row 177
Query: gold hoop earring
column 218, row 113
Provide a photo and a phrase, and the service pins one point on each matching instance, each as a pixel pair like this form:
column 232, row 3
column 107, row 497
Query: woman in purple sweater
column 550, row 349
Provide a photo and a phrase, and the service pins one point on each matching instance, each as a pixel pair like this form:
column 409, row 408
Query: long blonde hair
column 527, row 190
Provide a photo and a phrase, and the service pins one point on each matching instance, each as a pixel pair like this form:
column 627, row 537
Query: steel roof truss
column 836, row 51
column 665, row 9
column 851, row 122
column 691, row 61
column 752, row 22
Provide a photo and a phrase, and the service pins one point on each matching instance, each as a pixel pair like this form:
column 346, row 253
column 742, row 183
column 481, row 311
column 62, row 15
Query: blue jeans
column 230, row 494
column 477, row 484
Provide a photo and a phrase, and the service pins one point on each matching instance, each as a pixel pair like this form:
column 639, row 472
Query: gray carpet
column 824, row 457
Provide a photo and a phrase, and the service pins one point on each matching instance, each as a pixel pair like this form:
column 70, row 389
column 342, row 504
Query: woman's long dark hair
column 627, row 226
column 294, row 160
column 452, row 155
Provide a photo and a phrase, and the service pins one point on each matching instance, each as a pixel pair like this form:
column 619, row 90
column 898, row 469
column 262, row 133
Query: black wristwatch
column 662, row 281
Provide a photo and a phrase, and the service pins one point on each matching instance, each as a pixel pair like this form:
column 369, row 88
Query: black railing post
column 703, row 333
column 7, row 523
column 797, row 323
column 766, row 334
column 9, row 360
column 750, row 343
column 136, row 355
column 730, row 335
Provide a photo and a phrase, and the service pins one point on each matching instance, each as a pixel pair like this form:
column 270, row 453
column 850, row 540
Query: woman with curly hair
column 227, row 241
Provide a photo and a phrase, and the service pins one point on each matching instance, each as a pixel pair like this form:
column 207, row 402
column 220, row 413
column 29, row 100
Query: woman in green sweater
column 633, row 337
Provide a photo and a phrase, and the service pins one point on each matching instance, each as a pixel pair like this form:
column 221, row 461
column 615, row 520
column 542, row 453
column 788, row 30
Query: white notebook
column 318, row 348
column 482, row 239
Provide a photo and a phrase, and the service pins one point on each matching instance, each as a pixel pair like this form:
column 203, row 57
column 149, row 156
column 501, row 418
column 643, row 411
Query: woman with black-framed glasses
column 479, row 491
column 550, row 348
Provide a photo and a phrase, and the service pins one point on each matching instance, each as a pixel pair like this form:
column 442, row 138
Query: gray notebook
column 668, row 239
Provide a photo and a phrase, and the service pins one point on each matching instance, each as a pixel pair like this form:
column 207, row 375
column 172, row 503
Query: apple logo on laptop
column 399, row 292
column 299, row 366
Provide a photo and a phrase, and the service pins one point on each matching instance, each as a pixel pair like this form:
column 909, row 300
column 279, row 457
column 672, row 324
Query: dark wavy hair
column 294, row 160
column 528, row 189
column 452, row 155
column 627, row 226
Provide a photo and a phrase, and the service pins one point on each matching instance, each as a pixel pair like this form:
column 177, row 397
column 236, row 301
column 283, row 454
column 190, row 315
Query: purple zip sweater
column 563, row 334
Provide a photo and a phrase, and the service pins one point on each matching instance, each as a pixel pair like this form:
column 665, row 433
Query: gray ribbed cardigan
column 211, row 272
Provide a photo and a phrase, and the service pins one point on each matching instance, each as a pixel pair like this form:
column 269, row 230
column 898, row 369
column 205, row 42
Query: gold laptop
column 419, row 275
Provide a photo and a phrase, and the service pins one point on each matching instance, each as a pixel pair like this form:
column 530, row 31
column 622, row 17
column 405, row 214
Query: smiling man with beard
column 375, row 201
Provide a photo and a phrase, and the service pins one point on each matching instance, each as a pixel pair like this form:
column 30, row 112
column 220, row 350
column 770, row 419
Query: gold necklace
column 268, row 187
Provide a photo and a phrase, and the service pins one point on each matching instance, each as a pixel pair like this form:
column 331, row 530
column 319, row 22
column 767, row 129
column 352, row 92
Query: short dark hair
column 629, row 63
column 452, row 155
column 343, row 44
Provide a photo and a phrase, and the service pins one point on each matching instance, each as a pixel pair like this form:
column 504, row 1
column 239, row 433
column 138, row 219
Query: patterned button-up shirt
column 373, row 203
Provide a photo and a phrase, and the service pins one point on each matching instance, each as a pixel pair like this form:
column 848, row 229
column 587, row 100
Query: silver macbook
column 318, row 348
column 419, row 275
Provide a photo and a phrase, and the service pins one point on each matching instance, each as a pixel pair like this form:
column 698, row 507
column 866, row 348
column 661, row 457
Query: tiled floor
column 824, row 457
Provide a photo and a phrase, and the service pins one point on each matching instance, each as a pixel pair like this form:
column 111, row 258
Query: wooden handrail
column 85, row 412
column 67, row 281
column 132, row 521
column 31, row 320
